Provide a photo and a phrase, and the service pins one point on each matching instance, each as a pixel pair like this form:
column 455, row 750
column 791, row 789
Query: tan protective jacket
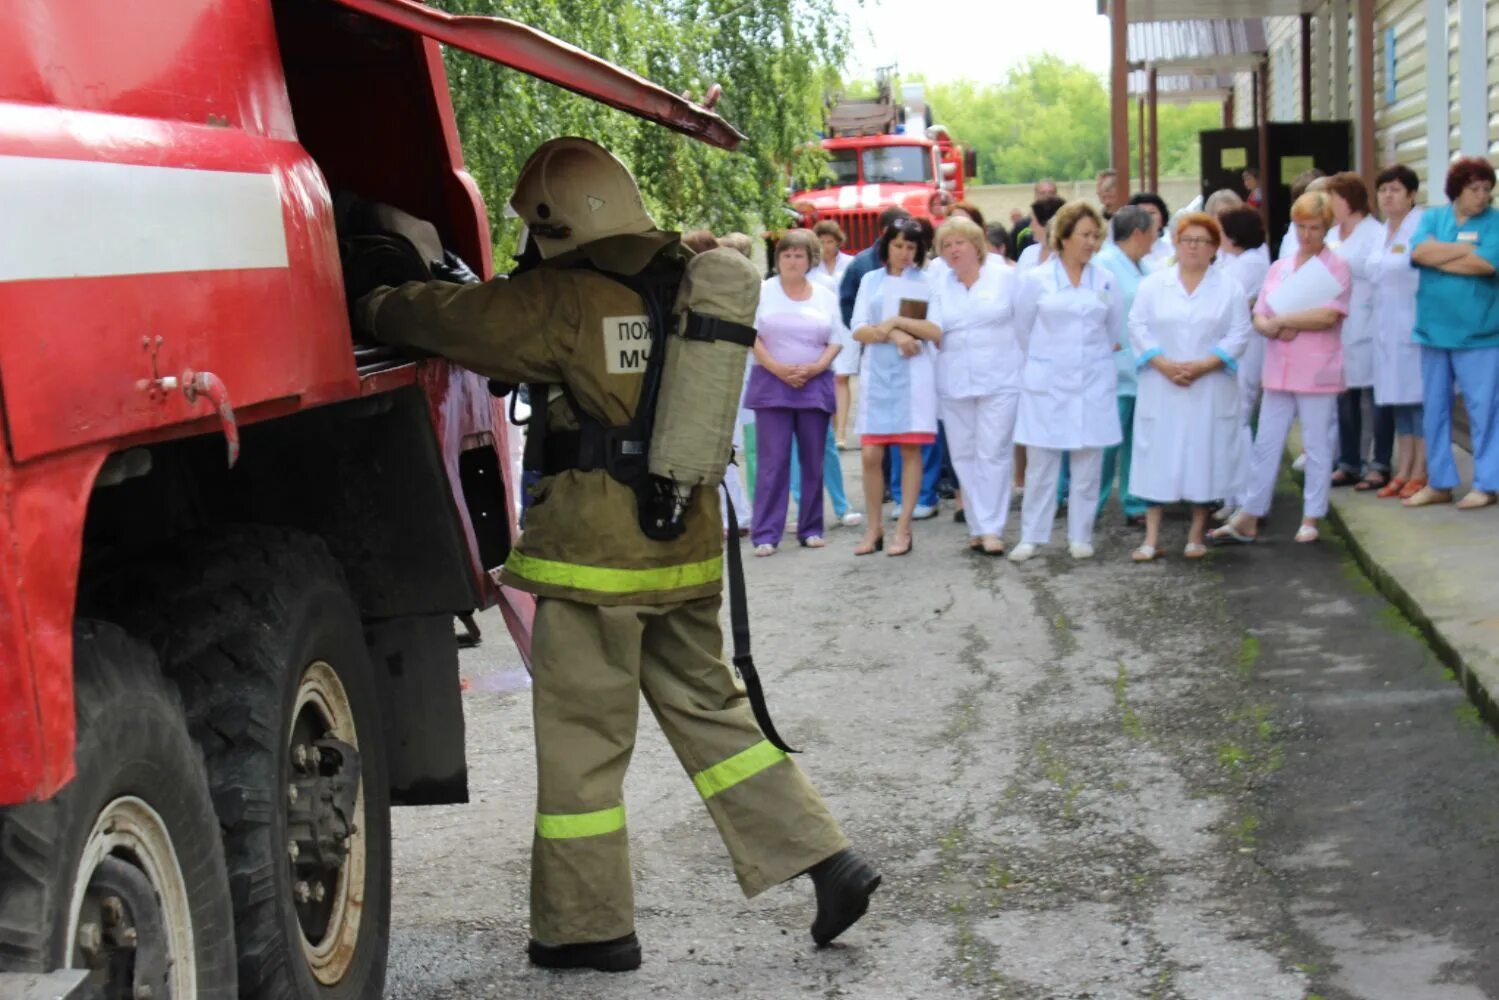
column 582, row 539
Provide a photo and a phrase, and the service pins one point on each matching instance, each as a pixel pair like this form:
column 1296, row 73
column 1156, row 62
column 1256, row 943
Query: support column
column 1306, row 67
column 1473, row 87
column 1119, row 93
column 1438, row 102
column 1321, row 82
column 1140, row 131
column 1364, row 125
column 1228, row 110
column 1340, row 81
column 1262, row 120
column 1153, row 98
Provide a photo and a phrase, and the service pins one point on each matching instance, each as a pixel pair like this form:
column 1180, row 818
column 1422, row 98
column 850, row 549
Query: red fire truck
column 882, row 153
column 233, row 540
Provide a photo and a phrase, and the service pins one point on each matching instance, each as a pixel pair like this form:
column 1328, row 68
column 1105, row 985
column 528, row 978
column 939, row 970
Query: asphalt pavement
column 1247, row 777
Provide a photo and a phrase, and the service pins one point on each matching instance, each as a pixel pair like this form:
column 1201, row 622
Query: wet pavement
column 1241, row 778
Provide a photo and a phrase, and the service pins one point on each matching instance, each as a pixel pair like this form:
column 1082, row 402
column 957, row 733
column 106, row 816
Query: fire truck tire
column 122, row 870
column 261, row 633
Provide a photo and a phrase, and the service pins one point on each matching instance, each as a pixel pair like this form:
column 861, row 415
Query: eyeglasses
column 1194, row 241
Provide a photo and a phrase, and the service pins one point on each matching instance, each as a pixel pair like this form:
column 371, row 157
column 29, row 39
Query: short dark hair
column 1400, row 173
column 827, row 227
column 1465, row 171
column 905, row 229
column 890, row 214
column 1244, row 226
column 1042, row 209
column 999, row 238
column 1250, row 172
column 1151, row 198
column 1350, row 187
column 969, row 209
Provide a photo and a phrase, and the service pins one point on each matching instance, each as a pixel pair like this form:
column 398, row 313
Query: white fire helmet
column 573, row 191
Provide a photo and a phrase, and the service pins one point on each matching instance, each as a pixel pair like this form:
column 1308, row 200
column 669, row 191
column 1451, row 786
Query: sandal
column 896, row 550
column 1426, row 496
column 1341, row 477
column 866, row 547
column 1411, row 488
column 1392, row 488
column 1194, row 550
column 1306, row 534
column 1145, row 553
column 1476, row 499
column 1373, row 480
column 1229, row 535
column 975, row 544
column 813, row 542
column 765, row 549
column 991, row 545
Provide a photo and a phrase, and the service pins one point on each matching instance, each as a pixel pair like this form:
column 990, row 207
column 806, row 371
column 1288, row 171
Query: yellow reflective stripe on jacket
column 566, row 826
column 744, row 764
column 614, row 581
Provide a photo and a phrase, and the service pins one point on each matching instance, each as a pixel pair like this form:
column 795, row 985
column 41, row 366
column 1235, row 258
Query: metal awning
column 1181, row 88
column 1224, row 46
column 1188, row 10
column 538, row 54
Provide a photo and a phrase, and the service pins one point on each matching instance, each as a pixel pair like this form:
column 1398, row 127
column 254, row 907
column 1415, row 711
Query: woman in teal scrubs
column 1456, row 247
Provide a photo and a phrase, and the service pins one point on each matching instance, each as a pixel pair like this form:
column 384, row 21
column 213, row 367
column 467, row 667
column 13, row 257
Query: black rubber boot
column 620, row 955
column 844, row 884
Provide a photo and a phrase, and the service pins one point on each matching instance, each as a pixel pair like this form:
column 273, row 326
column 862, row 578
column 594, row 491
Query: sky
column 978, row 39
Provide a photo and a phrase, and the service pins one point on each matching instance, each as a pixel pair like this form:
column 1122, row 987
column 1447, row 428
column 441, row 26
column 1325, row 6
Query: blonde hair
column 1065, row 221
column 1314, row 206
column 964, row 229
column 1222, row 200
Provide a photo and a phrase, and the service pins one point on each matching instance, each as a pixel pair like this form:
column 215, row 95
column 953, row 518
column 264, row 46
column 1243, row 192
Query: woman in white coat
column 1354, row 237
column 1397, row 356
column 978, row 377
column 1067, row 312
column 1188, row 326
column 1245, row 258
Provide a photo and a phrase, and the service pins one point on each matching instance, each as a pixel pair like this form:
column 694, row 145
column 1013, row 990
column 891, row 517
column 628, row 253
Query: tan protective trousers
column 590, row 665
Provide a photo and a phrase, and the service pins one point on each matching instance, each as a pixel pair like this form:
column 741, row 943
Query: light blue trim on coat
column 1228, row 362
column 1145, row 358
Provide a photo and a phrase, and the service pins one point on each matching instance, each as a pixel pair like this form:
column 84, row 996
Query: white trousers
column 981, row 442
column 1318, row 413
column 1043, row 467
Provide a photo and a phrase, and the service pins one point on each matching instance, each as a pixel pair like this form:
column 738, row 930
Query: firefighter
column 617, row 613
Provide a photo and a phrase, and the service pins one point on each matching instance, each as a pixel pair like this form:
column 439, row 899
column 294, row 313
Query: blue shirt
column 864, row 261
column 1127, row 275
column 1457, row 311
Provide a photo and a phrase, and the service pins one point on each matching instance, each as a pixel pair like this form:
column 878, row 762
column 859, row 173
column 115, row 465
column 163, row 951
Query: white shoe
column 852, row 519
column 921, row 512
column 1021, row 552
column 1225, row 513
column 1081, row 550
column 1299, row 462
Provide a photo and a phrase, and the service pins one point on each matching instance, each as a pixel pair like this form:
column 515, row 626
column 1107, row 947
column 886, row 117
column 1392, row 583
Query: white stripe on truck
column 84, row 219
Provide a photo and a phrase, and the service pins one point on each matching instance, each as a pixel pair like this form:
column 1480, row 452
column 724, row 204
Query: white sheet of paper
column 900, row 288
column 1310, row 286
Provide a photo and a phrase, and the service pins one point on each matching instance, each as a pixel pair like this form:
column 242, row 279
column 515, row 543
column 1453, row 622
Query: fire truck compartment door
column 513, row 44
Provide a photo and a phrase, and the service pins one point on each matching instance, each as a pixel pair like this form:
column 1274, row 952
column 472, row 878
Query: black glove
column 452, row 268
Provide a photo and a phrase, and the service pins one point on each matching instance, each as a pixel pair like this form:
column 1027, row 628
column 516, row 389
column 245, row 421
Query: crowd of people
column 1084, row 352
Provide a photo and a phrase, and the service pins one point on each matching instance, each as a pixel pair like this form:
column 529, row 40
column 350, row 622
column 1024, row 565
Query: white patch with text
column 627, row 344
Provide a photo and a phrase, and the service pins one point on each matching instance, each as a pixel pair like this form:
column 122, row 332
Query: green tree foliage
column 773, row 58
column 1050, row 118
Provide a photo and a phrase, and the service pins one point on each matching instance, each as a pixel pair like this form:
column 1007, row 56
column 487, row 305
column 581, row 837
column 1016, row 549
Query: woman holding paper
column 1067, row 314
column 1188, row 326
column 1300, row 311
column 898, row 321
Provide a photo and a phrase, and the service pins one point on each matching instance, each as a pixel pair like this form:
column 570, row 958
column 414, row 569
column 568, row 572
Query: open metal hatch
column 538, row 54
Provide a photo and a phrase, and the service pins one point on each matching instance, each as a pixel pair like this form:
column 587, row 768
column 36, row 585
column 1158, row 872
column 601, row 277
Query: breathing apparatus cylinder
column 703, row 376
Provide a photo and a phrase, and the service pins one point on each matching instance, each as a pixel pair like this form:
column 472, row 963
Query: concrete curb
column 1439, row 567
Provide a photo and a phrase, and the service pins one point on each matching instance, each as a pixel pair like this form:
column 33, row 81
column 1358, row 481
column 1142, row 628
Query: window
column 843, row 166
column 898, row 165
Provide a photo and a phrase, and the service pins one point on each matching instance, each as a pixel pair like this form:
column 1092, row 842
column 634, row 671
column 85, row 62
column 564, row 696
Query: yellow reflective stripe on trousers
column 567, row 826
column 614, row 581
column 744, row 764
